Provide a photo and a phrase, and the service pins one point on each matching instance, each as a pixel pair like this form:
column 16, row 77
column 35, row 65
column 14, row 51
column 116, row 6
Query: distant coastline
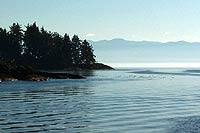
column 126, row 51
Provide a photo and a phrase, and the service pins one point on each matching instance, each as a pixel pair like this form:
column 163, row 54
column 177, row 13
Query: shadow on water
column 186, row 125
column 86, row 73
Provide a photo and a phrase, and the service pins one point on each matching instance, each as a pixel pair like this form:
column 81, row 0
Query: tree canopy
column 42, row 49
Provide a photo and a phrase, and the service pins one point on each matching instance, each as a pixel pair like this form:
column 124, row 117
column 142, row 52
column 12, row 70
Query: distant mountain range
column 123, row 51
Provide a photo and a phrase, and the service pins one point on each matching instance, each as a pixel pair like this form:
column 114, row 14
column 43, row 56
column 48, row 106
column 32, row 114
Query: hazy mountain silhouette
column 123, row 51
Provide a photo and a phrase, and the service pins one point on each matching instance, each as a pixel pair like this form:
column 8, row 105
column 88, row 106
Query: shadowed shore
column 10, row 72
column 14, row 73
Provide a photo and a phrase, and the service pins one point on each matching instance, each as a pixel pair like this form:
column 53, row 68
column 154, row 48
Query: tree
column 38, row 48
column 32, row 44
column 4, row 44
column 76, row 42
column 56, row 51
column 45, row 49
column 67, row 51
column 87, row 56
column 15, row 44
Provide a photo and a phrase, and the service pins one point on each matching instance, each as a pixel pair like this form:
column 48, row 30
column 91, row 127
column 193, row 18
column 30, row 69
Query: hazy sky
column 155, row 20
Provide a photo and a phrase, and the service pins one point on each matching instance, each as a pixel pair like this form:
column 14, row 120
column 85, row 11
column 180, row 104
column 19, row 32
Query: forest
column 41, row 49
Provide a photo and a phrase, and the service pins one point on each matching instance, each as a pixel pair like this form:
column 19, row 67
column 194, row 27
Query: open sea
column 138, row 100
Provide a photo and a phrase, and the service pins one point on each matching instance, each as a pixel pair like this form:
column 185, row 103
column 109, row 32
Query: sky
column 149, row 20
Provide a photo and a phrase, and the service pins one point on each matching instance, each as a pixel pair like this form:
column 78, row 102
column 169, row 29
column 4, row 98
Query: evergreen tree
column 44, row 50
column 67, row 51
column 46, row 41
column 56, row 51
column 32, row 43
column 87, row 56
column 4, row 44
column 15, row 44
column 76, row 42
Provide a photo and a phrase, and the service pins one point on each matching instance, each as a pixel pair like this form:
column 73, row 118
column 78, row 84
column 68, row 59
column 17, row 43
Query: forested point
column 42, row 49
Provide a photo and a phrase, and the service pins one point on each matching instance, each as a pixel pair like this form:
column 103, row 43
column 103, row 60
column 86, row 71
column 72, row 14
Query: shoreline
column 25, row 73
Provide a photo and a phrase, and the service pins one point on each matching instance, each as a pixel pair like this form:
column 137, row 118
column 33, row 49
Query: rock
column 100, row 66
column 6, row 77
column 35, row 77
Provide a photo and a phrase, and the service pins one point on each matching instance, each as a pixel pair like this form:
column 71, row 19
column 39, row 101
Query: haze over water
column 153, row 44
column 124, row 100
column 155, row 65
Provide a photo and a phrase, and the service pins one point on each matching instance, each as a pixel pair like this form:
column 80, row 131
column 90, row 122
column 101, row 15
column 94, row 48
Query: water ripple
column 121, row 104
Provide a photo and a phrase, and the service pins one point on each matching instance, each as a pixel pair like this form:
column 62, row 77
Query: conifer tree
column 44, row 50
column 15, row 42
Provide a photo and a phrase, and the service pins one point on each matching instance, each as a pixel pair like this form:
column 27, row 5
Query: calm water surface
column 125, row 100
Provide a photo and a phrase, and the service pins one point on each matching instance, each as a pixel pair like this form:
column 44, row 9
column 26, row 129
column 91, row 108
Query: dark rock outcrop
column 100, row 66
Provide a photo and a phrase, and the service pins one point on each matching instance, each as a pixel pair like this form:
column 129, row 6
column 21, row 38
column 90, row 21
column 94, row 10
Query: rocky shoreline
column 38, row 76
column 14, row 73
column 100, row 66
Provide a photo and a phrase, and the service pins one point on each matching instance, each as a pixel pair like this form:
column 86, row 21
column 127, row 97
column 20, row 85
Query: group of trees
column 41, row 49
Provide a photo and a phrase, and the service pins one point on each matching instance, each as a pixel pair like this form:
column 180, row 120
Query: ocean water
column 124, row 100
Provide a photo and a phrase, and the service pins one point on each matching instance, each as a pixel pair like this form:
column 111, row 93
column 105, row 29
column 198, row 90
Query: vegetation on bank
column 42, row 49
column 23, row 52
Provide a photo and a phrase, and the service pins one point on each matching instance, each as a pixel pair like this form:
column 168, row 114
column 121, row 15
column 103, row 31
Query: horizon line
column 156, row 65
column 123, row 39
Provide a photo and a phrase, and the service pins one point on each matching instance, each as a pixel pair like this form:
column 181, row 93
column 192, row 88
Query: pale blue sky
column 155, row 20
